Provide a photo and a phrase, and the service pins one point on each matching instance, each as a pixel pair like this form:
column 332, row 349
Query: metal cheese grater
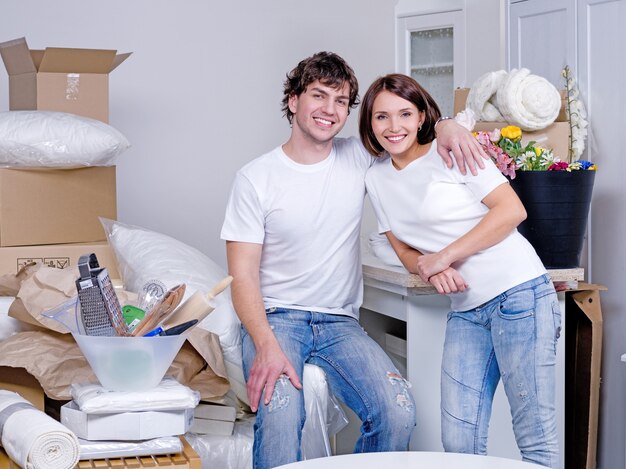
column 100, row 309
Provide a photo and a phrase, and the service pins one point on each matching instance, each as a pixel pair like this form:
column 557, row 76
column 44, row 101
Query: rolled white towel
column 482, row 96
column 33, row 439
column 529, row 101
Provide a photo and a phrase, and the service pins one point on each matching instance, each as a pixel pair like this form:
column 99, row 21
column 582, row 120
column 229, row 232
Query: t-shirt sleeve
column 244, row 220
column 383, row 224
column 486, row 180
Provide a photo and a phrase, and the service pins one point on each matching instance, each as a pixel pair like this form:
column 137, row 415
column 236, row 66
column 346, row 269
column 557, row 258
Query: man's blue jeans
column 512, row 337
column 358, row 372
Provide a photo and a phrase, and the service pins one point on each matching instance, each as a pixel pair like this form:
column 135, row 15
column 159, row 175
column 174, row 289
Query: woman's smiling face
column 395, row 122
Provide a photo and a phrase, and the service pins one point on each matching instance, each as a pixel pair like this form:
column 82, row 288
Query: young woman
column 459, row 233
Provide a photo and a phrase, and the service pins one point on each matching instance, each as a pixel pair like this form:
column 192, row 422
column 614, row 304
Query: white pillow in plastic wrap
column 143, row 255
column 57, row 139
column 380, row 246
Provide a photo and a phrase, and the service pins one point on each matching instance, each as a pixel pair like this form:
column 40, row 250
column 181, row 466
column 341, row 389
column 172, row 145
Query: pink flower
column 560, row 166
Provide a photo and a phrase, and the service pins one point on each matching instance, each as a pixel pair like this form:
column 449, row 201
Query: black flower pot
column 557, row 203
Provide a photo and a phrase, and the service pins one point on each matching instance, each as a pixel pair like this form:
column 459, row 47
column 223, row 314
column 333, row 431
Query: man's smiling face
column 320, row 112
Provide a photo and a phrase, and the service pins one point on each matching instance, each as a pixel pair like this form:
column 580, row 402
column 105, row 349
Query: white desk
column 392, row 292
column 411, row 460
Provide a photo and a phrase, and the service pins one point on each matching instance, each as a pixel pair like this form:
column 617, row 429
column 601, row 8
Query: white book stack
column 214, row 419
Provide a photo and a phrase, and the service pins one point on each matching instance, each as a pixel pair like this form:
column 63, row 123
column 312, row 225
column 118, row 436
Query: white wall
column 601, row 68
column 200, row 96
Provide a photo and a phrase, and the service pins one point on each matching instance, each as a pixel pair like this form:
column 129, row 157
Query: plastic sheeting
column 324, row 419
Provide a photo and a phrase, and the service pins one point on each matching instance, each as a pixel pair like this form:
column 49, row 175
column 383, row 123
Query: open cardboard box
column 60, row 79
column 555, row 136
column 583, row 350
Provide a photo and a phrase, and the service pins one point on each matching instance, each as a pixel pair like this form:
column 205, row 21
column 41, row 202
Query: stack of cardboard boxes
column 50, row 215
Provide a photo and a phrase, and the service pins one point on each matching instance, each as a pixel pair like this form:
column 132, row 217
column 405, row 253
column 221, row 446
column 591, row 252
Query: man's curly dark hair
column 327, row 67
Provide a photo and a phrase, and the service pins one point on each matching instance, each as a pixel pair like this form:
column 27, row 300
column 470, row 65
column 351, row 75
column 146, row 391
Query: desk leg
column 583, row 348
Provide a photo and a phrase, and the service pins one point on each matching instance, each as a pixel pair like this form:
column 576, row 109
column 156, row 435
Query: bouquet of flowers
column 509, row 153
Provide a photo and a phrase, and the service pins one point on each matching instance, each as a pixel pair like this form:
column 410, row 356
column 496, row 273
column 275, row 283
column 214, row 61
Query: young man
column 292, row 229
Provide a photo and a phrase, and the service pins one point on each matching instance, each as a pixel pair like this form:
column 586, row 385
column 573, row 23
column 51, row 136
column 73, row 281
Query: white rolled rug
column 33, row 439
column 482, row 96
column 529, row 101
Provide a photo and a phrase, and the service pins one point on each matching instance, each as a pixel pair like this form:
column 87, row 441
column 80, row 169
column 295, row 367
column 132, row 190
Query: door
column 431, row 48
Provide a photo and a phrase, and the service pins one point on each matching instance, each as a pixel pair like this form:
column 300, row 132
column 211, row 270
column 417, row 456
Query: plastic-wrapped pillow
column 143, row 255
column 57, row 139
column 380, row 246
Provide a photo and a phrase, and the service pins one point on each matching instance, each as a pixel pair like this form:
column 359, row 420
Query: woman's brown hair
column 406, row 88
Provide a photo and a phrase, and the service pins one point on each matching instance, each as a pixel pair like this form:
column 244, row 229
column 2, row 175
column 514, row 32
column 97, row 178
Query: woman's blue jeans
column 512, row 337
column 358, row 372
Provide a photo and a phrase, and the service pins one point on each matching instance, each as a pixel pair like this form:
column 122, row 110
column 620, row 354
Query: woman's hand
column 428, row 265
column 448, row 281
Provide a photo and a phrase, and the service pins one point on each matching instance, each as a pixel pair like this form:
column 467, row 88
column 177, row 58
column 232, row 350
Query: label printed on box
column 56, row 262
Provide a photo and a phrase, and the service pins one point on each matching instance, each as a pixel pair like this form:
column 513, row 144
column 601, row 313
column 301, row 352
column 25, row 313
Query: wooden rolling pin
column 197, row 306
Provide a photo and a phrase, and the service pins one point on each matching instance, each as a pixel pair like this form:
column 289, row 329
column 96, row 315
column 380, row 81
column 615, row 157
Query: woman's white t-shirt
column 428, row 206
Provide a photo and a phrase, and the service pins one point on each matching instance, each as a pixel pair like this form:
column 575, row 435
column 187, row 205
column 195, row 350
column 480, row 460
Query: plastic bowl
column 129, row 363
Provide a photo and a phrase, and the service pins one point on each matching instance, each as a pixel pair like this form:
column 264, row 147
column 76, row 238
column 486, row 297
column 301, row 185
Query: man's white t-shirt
column 428, row 206
column 308, row 219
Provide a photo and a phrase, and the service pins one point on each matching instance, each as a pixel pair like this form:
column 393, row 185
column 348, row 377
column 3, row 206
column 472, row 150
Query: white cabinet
column 431, row 48
column 542, row 37
column 389, row 292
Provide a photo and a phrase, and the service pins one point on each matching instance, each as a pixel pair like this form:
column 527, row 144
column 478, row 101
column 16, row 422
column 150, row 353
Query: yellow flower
column 511, row 132
column 538, row 151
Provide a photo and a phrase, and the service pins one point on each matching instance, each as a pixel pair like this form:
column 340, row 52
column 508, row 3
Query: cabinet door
column 431, row 49
column 542, row 37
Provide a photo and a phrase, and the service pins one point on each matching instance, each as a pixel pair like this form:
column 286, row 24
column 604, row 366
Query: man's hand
column 448, row 281
column 269, row 364
column 453, row 137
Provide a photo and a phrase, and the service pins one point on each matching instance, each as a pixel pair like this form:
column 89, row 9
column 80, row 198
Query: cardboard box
column 215, row 412
column 555, row 136
column 55, row 206
column 22, row 382
column 583, row 360
column 128, row 426
column 60, row 256
column 60, row 79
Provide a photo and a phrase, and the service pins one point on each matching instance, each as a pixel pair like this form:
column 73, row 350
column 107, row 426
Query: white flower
column 495, row 135
column 466, row 118
column 577, row 115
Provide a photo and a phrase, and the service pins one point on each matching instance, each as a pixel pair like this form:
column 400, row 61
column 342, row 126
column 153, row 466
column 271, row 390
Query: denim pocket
column 518, row 305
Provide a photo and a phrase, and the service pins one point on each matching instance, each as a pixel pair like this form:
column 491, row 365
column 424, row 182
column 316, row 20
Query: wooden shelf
column 187, row 459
